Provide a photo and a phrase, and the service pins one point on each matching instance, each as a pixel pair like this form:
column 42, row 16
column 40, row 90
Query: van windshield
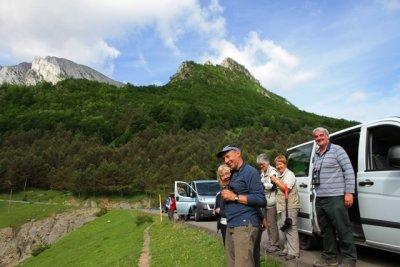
column 208, row 188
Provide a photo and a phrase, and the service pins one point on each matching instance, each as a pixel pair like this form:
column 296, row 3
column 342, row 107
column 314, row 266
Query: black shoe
column 281, row 253
column 290, row 257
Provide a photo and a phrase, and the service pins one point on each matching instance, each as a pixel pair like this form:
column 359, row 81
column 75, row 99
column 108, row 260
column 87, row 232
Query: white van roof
column 392, row 119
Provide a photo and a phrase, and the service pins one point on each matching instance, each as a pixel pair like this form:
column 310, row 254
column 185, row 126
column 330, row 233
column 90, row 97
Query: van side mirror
column 394, row 156
column 192, row 194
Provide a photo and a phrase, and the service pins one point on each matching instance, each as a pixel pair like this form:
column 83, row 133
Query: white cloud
column 271, row 64
column 358, row 96
column 81, row 30
column 391, row 5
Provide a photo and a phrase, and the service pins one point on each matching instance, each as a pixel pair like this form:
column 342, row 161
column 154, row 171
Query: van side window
column 184, row 189
column 299, row 160
column 380, row 140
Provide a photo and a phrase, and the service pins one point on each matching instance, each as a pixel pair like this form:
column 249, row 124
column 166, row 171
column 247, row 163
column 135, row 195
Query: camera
column 286, row 224
column 316, row 177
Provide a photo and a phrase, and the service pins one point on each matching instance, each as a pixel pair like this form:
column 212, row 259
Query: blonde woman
column 223, row 175
column 287, row 214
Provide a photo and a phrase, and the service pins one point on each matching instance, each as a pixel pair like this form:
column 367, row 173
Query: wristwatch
column 236, row 198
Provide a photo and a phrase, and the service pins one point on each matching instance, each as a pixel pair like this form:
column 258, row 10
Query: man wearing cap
column 242, row 202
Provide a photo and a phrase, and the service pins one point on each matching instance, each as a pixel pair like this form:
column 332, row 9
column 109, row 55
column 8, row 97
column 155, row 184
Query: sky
column 334, row 58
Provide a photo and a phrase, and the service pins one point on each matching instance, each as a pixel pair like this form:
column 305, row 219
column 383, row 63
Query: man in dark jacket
column 243, row 200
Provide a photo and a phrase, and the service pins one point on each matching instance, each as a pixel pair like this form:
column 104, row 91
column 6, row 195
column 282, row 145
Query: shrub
column 143, row 218
column 101, row 212
column 36, row 251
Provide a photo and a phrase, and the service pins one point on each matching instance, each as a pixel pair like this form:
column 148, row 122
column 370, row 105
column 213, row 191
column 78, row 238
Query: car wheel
column 196, row 215
column 308, row 242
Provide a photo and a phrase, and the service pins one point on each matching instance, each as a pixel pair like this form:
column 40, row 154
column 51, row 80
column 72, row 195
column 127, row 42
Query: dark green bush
column 143, row 218
column 40, row 249
column 101, row 212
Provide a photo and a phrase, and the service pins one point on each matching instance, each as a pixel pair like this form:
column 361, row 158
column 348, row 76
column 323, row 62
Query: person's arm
column 266, row 181
column 217, row 203
column 279, row 183
column 286, row 183
column 254, row 197
column 349, row 177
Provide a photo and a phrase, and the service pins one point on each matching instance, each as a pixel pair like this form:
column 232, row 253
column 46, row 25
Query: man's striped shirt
column 336, row 172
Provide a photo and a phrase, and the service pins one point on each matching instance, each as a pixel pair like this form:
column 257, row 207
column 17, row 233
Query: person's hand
column 273, row 178
column 264, row 224
column 228, row 195
column 348, row 200
column 216, row 211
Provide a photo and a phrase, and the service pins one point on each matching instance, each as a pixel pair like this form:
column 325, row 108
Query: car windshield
column 208, row 188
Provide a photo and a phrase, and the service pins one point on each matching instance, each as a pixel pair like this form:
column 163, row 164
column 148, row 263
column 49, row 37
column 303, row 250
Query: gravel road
column 367, row 257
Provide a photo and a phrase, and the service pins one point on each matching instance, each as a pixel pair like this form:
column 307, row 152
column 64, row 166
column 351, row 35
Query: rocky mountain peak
column 50, row 69
column 184, row 71
column 233, row 65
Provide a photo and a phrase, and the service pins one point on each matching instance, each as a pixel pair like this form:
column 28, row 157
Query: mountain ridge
column 94, row 138
column 50, row 69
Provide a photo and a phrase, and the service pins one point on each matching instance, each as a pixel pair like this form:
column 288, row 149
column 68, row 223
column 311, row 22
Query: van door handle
column 177, row 198
column 366, row 182
column 303, row 185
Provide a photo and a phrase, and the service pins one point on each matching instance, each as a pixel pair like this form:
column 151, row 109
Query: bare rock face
column 17, row 244
column 184, row 72
column 231, row 64
column 50, row 69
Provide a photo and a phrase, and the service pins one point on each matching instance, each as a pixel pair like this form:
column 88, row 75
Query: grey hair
column 321, row 129
column 262, row 158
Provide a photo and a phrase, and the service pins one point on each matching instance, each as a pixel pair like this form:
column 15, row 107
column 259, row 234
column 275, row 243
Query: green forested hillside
column 94, row 138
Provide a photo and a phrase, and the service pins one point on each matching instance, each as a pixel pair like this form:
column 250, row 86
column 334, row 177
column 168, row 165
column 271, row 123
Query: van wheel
column 308, row 242
column 196, row 215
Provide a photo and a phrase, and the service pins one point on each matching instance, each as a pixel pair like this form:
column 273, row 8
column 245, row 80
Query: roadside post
column 159, row 199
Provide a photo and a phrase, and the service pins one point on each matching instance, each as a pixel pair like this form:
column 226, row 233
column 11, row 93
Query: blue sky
column 335, row 58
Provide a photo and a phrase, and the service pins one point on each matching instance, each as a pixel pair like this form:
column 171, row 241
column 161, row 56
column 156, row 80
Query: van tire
column 308, row 242
column 196, row 215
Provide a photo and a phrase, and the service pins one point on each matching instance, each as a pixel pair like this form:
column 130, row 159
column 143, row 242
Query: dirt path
column 145, row 257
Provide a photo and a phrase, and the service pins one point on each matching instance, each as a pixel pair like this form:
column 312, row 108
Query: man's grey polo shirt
column 336, row 172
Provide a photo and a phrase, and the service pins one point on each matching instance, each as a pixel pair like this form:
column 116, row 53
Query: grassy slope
column 37, row 195
column 20, row 213
column 98, row 243
column 177, row 245
column 119, row 243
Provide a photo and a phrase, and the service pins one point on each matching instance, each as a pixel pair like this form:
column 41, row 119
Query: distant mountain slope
column 50, row 69
column 93, row 138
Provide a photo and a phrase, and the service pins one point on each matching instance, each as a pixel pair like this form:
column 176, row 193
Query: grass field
column 20, row 213
column 115, row 239
column 178, row 245
column 37, row 195
column 111, row 240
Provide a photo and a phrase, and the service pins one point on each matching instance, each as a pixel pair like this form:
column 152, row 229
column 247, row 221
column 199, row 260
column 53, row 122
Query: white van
column 196, row 198
column 374, row 151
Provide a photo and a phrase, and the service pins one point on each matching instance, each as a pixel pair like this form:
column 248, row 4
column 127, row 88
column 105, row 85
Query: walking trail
column 145, row 257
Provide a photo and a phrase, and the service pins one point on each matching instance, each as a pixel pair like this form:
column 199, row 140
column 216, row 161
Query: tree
column 192, row 119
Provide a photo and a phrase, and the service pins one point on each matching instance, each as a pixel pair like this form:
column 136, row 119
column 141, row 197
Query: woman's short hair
column 219, row 170
column 262, row 158
column 321, row 129
column 280, row 158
